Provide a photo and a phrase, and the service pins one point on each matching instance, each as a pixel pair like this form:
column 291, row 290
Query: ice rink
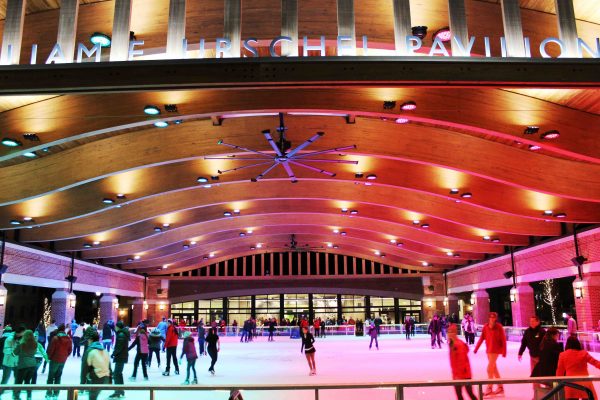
column 341, row 359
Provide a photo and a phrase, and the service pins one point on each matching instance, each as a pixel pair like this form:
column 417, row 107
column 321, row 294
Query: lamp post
column 513, row 290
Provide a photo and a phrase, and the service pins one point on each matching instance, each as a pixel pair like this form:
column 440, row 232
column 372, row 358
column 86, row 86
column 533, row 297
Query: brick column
column 139, row 312
column 107, row 309
column 3, row 295
column 524, row 306
column 62, row 311
column 451, row 305
column 588, row 307
column 481, row 308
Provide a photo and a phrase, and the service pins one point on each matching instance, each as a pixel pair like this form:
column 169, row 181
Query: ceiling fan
column 295, row 246
column 284, row 155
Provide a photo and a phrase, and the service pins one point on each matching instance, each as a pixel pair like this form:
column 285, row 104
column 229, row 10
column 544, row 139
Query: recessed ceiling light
column 425, row 226
column 249, row 231
column 161, row 124
column 330, row 245
column 425, row 263
column 416, row 222
column 8, row 142
column 336, row 231
column 560, row 215
column 456, row 255
column 449, row 253
column 343, row 233
column 344, row 210
column 227, row 213
column 242, row 234
column 202, row 179
column 211, row 255
column 205, row 258
column 165, row 266
column 466, row 195
column 358, row 175
column 166, row 225
column 100, row 38
column 399, row 244
column 259, row 246
column 393, row 241
column 157, row 229
column 377, row 253
column 121, row 196
column 27, row 219
column 402, row 120
column 186, row 246
column 371, row 177
column 454, row 191
column 335, row 246
column 236, row 211
column 207, row 186
column 389, row 104
column 151, row 110
column 107, row 200
column 130, row 259
column 30, row 154
column 443, row 34
column 548, row 212
column 408, row 106
column 534, row 147
column 97, row 243
column 137, row 257
column 531, row 130
column 496, row 240
column 550, row 135
column 486, row 237
column 354, row 212
column 87, row 245
column 193, row 242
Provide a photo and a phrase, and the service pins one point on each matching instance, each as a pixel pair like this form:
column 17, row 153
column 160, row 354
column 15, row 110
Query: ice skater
column 435, row 329
column 495, row 343
column 373, row 334
column 459, row 362
column 309, row 350
column 213, row 347
column 189, row 351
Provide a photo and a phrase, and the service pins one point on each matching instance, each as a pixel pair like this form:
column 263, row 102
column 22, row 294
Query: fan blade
column 306, row 144
column 238, row 158
column 327, row 161
column 289, row 171
column 265, row 172
column 314, row 153
column 321, row 171
column 269, row 138
column 243, row 167
column 233, row 146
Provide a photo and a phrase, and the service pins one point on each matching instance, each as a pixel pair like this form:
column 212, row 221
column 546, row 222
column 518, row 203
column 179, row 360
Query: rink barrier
column 398, row 387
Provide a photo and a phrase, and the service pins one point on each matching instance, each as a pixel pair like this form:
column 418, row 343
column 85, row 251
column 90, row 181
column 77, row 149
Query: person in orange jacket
column 495, row 343
column 171, row 342
column 573, row 362
column 459, row 362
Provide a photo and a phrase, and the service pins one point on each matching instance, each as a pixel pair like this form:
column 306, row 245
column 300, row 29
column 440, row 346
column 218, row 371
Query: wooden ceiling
column 95, row 146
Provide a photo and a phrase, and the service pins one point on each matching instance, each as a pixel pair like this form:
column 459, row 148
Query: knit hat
column 187, row 334
column 8, row 329
column 120, row 325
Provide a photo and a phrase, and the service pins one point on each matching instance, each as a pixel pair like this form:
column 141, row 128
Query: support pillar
column 62, row 312
column 12, row 37
column 108, row 311
column 523, row 307
column 138, row 311
column 481, row 308
column 3, row 299
column 587, row 307
column 451, row 305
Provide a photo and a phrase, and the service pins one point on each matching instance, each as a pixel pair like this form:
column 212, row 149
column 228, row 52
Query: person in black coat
column 309, row 349
column 435, row 330
column 550, row 350
column 120, row 356
column 532, row 339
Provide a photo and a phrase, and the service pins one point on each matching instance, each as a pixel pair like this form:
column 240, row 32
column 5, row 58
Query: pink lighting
column 409, row 106
column 402, row 120
column 443, row 34
column 550, row 135
column 534, row 147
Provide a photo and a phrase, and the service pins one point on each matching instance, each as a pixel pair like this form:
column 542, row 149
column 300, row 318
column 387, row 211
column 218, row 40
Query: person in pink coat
column 573, row 362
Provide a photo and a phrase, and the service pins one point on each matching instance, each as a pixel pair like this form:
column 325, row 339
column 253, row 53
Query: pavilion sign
column 345, row 47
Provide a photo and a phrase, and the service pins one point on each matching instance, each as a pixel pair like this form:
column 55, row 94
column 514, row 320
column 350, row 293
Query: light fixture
column 98, row 294
column 8, row 142
column 227, row 213
column 165, row 266
column 186, row 246
column 214, row 177
column 151, row 110
column 486, row 237
column 100, row 38
column 30, row 154
column 172, row 108
column 87, row 246
column 534, row 147
column 249, row 231
column 242, row 234
column 408, row 106
column 354, row 212
column 335, row 246
column 202, row 179
column 236, row 211
column 550, row 135
column 259, row 245
column 531, row 130
column 473, row 299
column 72, row 300
column 416, row 222
column 344, row 210
column 336, row 231
column 425, row 226
column 560, row 215
column 456, row 255
column 15, row 222
column 137, row 257
column 161, row 124
column 449, row 253
column 393, row 241
column 389, row 104
column 108, row 200
column 208, row 186
column 454, row 191
column 358, row 175
column 578, row 284
column 513, row 294
column 252, row 248
column 157, row 229
column 145, row 305
column 129, row 259
column 466, row 195
column 211, row 255
column 377, row 253
column 399, row 244
column 443, row 34
column 343, row 233
column 548, row 212
column 419, row 31
column 32, row 137
column 495, row 240
column 371, row 177
column 402, row 120
column 330, row 245
column 445, row 302
column 425, row 263
column 206, row 257
column 116, row 304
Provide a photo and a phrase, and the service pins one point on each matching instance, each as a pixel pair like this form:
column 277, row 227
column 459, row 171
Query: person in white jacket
column 468, row 326
column 77, row 335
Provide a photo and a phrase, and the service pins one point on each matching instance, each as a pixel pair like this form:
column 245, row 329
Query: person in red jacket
column 59, row 350
column 459, row 362
column 495, row 343
column 171, row 345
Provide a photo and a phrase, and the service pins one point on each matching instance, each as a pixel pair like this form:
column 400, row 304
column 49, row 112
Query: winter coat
column 172, row 336
column 10, row 359
column 79, row 331
column 548, row 363
column 468, row 325
column 26, row 357
column 532, row 339
column 120, row 352
column 459, row 359
column 373, row 331
column 435, row 326
column 60, row 348
column 574, row 363
column 41, row 331
column 162, row 328
column 141, row 343
column 495, row 339
column 154, row 339
column 571, row 326
column 107, row 332
column 96, row 362
column 189, row 349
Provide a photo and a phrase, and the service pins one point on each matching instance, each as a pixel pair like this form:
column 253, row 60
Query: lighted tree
column 47, row 312
column 549, row 296
column 97, row 318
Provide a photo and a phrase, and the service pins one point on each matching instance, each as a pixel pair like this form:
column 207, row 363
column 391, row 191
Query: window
column 325, row 306
column 239, row 309
column 210, row 310
column 267, row 306
column 295, row 305
column 383, row 307
column 353, row 307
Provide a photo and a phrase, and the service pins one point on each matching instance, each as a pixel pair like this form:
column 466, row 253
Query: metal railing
column 73, row 391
